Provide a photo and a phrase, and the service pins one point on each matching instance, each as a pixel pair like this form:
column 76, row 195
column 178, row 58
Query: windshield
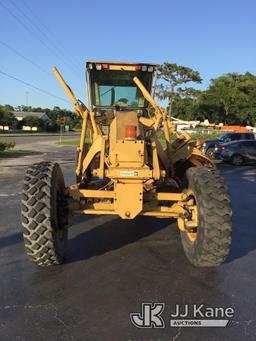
column 117, row 88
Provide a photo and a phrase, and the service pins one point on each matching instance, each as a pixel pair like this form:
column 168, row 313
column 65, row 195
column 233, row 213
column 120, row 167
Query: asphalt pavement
column 113, row 266
column 31, row 139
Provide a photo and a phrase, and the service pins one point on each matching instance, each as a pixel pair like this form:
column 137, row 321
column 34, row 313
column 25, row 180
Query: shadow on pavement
column 112, row 235
column 117, row 233
column 11, row 240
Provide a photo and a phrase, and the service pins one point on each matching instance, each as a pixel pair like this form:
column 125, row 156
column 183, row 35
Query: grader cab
column 130, row 162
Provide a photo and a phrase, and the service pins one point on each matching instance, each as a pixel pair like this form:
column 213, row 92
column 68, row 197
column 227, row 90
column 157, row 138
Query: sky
column 212, row 37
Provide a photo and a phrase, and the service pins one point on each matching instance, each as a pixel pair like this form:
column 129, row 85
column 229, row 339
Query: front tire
column 44, row 214
column 208, row 244
column 237, row 160
column 209, row 152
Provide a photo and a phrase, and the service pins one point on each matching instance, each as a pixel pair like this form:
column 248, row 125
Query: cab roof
column 118, row 63
column 120, row 66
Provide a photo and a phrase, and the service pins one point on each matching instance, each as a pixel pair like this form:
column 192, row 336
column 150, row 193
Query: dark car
column 237, row 152
column 209, row 145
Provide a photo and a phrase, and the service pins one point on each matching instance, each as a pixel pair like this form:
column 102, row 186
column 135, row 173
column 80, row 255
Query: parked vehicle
column 209, row 145
column 237, row 152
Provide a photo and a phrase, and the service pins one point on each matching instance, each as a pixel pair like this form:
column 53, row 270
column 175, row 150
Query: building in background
column 22, row 114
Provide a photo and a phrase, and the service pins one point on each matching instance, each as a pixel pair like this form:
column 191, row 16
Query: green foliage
column 230, row 99
column 184, row 108
column 7, row 118
column 4, row 146
column 54, row 115
column 32, row 121
column 78, row 126
column 201, row 135
column 173, row 80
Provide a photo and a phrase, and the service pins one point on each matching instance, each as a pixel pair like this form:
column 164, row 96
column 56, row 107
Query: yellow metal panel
column 128, row 151
column 82, row 144
column 160, row 214
column 102, row 159
column 122, row 67
column 93, row 211
column 148, row 122
column 156, row 168
column 102, row 205
column 157, row 214
column 129, row 199
column 95, row 127
column 198, row 152
column 146, row 94
column 174, row 211
column 95, row 148
column 93, row 193
column 171, row 196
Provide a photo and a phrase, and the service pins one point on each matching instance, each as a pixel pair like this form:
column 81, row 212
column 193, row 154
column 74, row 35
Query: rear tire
column 44, row 214
column 213, row 233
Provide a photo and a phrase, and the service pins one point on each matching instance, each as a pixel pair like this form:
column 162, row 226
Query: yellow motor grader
column 130, row 162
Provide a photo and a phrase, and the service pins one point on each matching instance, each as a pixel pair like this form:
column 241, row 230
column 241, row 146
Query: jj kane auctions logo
column 183, row 316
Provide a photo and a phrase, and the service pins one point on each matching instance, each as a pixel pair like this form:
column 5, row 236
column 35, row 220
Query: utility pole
column 27, row 93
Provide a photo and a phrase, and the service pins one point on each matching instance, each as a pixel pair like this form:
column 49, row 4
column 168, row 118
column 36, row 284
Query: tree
column 231, row 99
column 173, row 79
column 32, row 121
column 186, row 108
column 7, row 118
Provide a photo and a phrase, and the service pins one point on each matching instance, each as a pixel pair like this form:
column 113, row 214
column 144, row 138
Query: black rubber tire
column 236, row 157
column 212, row 244
column 44, row 214
column 209, row 152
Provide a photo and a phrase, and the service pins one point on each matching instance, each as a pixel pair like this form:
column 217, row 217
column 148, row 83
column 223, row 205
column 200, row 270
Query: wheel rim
column 192, row 235
column 210, row 152
column 237, row 160
column 190, row 225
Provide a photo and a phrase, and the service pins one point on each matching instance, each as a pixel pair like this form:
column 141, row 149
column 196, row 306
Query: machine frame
column 146, row 202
